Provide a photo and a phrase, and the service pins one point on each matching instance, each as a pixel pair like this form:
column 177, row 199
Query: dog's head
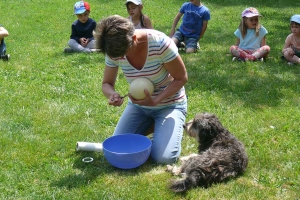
column 204, row 127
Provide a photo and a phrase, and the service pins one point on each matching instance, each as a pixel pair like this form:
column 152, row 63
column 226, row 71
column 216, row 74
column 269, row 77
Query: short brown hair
column 114, row 35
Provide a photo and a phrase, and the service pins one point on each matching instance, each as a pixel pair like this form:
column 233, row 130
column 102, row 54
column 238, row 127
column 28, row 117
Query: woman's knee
column 166, row 154
column 164, row 159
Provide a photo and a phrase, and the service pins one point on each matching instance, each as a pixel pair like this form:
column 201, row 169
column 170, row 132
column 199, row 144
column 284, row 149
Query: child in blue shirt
column 82, row 39
column 251, row 38
column 3, row 33
column 193, row 27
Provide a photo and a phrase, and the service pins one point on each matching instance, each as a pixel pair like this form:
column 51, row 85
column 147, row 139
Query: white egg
column 138, row 86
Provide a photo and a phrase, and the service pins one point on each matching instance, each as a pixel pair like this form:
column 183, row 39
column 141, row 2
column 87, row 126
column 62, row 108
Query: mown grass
column 50, row 100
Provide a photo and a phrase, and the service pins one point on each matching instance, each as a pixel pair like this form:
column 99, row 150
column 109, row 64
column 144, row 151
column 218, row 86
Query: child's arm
column 204, row 27
column 237, row 43
column 3, row 33
column 74, row 34
column 287, row 45
column 147, row 22
column 263, row 41
column 175, row 22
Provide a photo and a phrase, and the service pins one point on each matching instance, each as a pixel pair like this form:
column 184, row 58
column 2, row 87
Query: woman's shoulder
column 160, row 42
column 153, row 34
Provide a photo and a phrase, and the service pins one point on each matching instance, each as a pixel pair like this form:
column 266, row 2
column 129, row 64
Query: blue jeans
column 168, row 128
column 188, row 41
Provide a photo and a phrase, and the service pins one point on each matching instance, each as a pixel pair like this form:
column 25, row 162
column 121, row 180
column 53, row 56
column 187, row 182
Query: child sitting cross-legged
column 291, row 49
column 82, row 39
column 193, row 26
column 251, row 38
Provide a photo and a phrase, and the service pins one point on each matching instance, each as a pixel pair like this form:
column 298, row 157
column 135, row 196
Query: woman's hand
column 147, row 101
column 115, row 99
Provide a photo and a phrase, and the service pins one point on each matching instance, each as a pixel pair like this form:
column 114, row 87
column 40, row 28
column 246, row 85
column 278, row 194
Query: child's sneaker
column 5, row 57
column 261, row 60
column 197, row 47
column 95, row 50
column 290, row 63
column 234, row 59
column 68, row 50
column 181, row 45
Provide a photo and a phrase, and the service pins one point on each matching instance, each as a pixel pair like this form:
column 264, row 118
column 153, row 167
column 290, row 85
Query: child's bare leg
column 240, row 53
column 190, row 50
column 291, row 58
column 261, row 52
column 295, row 59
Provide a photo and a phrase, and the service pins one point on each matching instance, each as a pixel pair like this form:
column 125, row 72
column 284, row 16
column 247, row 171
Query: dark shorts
column 189, row 42
column 297, row 51
column 2, row 47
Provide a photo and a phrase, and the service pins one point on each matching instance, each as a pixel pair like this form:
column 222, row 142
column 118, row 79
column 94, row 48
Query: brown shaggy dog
column 221, row 156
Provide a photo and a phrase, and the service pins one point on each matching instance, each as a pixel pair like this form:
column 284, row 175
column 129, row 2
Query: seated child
column 193, row 27
column 291, row 49
column 251, row 42
column 3, row 33
column 134, row 9
column 82, row 39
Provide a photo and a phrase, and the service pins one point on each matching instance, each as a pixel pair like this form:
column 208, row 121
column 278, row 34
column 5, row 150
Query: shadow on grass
column 83, row 58
column 254, row 84
column 92, row 171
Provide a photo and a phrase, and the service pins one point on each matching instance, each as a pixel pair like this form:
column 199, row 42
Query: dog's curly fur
column 221, row 156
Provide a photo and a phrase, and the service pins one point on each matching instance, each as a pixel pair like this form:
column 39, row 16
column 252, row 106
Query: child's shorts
column 297, row 51
column 2, row 47
column 189, row 42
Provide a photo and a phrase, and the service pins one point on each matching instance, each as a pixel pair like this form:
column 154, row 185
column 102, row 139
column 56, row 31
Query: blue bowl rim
column 150, row 143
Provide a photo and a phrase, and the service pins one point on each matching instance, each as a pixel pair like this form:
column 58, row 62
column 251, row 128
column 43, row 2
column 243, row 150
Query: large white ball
column 138, row 86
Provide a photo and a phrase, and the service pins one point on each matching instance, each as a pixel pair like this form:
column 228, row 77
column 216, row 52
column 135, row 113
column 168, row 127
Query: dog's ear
column 208, row 126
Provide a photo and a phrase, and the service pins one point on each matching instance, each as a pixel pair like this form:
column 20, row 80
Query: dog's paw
column 176, row 171
column 169, row 168
column 185, row 158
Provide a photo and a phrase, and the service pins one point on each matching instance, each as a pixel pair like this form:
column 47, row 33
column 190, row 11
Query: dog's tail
column 180, row 186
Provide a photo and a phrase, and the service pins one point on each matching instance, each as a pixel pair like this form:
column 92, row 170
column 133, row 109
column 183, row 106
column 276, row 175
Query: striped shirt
column 161, row 49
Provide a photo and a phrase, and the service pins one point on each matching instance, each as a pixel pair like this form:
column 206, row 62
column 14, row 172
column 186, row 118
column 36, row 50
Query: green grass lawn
column 51, row 100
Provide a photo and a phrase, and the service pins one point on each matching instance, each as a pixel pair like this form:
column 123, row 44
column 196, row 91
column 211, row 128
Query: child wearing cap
column 291, row 49
column 134, row 9
column 251, row 38
column 82, row 39
column 193, row 26
column 3, row 33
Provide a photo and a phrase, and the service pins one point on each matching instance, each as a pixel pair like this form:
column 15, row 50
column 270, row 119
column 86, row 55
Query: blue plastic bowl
column 127, row 151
